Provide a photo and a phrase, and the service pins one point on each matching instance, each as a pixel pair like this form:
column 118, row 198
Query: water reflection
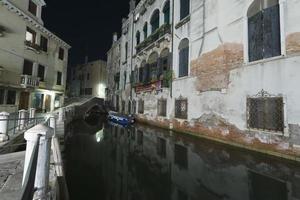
column 143, row 163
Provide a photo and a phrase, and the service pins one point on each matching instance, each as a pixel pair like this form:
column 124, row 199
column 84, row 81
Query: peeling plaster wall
column 220, row 77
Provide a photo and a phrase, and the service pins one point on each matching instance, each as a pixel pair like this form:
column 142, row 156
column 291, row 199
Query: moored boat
column 120, row 118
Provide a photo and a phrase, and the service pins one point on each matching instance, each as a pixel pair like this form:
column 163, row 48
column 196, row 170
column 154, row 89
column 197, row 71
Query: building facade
column 113, row 73
column 227, row 68
column 33, row 61
column 88, row 79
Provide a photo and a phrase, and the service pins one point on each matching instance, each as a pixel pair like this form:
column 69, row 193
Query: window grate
column 266, row 113
column 181, row 108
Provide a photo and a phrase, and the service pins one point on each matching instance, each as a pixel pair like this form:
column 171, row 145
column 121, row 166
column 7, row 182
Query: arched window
column 183, row 58
column 155, row 21
column 166, row 11
column 141, row 72
column 263, row 30
column 145, row 30
column 184, row 8
column 138, row 38
column 164, row 66
column 153, row 66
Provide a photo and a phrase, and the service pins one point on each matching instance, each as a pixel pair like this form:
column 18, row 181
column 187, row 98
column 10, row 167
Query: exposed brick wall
column 293, row 43
column 212, row 68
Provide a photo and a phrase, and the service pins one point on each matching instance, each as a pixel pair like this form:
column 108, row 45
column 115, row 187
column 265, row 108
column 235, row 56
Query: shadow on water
column 146, row 163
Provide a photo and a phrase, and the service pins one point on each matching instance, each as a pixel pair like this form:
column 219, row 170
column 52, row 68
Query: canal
column 109, row 162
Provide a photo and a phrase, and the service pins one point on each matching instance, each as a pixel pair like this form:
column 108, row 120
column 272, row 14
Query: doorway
column 48, row 103
column 24, row 101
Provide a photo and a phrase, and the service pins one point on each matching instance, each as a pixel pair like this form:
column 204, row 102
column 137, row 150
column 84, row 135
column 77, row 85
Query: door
column 24, row 101
column 48, row 103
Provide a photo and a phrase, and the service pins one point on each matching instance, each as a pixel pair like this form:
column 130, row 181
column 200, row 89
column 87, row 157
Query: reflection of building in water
column 144, row 163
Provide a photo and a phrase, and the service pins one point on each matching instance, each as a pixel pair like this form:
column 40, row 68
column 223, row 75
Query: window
column 11, row 97
column 181, row 159
column 164, row 67
column 184, row 58
column 138, row 38
column 142, row 72
column 44, row 43
column 123, row 106
column 181, row 108
column 141, row 107
column 277, row 189
column 155, row 21
column 32, row 8
column 30, row 36
column 162, row 107
column 184, row 8
column 145, row 30
column 125, row 79
column 2, row 92
column 264, row 30
column 266, row 113
column 153, row 66
column 166, row 11
column 27, row 67
column 59, row 78
column 161, row 147
column 41, row 72
column 126, row 51
column 88, row 76
column 61, row 54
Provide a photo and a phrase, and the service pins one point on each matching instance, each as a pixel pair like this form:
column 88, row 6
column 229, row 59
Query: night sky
column 86, row 25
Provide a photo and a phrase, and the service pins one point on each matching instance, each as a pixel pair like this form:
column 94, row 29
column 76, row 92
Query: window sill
column 183, row 21
column 267, row 131
column 182, row 78
column 264, row 60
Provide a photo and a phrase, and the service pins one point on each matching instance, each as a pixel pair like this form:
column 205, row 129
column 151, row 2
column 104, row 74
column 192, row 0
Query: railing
column 29, row 81
column 12, row 123
column 40, row 140
column 163, row 30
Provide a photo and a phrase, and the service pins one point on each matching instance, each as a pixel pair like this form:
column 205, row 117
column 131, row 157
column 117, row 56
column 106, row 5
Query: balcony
column 32, row 46
column 28, row 81
column 157, row 35
column 155, row 84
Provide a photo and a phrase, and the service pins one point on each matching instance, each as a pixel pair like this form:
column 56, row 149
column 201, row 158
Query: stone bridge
column 91, row 105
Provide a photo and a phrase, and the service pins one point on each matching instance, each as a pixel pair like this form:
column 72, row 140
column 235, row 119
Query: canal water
column 108, row 162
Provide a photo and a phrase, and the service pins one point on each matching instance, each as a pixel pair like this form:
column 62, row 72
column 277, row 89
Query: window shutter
column 267, row 33
column 255, row 37
column 184, row 8
column 181, row 56
column 276, row 31
column 141, row 74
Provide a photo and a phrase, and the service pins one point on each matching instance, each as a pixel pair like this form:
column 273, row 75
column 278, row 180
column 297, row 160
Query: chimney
column 132, row 4
column 115, row 37
column 86, row 59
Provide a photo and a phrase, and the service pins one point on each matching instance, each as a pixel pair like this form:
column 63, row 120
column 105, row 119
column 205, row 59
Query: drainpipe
column 172, row 48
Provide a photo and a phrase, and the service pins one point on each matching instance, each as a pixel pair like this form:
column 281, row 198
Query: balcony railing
column 28, row 81
column 163, row 30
